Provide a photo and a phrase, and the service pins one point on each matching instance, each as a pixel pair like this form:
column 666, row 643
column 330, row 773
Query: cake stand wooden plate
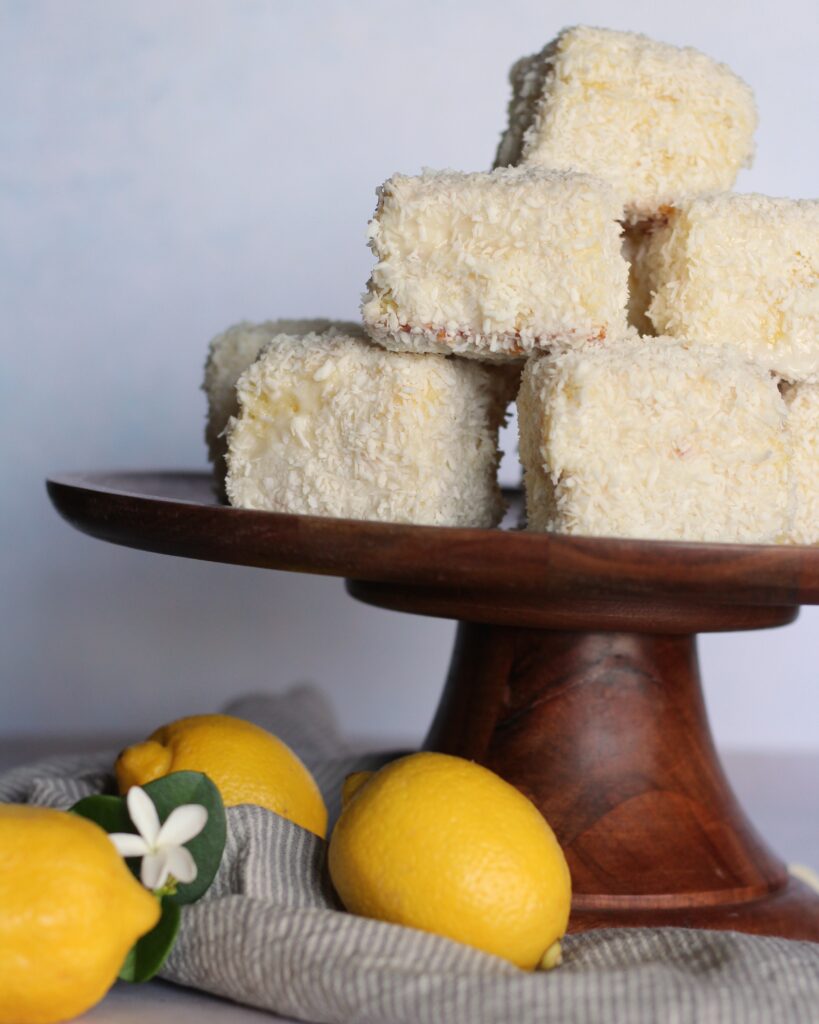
column 574, row 676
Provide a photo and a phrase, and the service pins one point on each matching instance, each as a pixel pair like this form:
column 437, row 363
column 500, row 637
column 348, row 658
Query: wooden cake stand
column 574, row 676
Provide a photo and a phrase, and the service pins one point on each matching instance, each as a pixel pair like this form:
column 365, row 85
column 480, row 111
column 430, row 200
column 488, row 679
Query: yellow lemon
column 247, row 764
column 439, row 843
column 69, row 912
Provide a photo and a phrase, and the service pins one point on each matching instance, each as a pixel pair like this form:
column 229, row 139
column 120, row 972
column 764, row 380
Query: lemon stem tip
column 553, row 957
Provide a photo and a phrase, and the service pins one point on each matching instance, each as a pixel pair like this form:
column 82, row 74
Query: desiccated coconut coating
column 658, row 121
column 658, row 439
column 802, row 401
column 493, row 265
column 229, row 355
column 744, row 270
column 333, row 425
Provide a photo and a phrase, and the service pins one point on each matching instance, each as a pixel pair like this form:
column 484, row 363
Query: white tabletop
column 158, row 1002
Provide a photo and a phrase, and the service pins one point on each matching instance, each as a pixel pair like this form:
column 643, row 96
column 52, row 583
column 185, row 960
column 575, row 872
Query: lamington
column 657, row 438
column 229, row 355
column 744, row 270
column 333, row 425
column 495, row 265
column 658, row 121
column 802, row 401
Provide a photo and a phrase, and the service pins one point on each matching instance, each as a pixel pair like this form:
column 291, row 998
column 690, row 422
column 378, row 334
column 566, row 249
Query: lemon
column 69, row 912
column 247, row 764
column 439, row 843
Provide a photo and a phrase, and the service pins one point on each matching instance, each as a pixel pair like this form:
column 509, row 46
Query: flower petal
column 181, row 863
column 154, row 872
column 182, row 824
column 129, row 845
column 143, row 814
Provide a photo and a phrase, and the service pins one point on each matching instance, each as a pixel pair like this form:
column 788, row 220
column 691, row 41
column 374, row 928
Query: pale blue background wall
column 167, row 168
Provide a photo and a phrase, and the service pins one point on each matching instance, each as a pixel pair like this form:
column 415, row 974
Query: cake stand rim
column 106, row 503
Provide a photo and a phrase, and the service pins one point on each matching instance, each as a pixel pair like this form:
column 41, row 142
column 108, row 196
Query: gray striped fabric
column 271, row 934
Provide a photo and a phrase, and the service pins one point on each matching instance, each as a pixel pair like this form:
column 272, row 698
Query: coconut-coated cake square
column 655, row 438
column 743, row 270
column 658, row 121
column 495, row 265
column 333, row 425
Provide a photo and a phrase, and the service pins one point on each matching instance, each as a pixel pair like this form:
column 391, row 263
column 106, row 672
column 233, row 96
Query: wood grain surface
column 178, row 513
column 607, row 733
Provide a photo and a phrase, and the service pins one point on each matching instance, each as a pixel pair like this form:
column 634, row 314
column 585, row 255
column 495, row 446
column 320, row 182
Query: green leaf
column 193, row 788
column 110, row 812
column 151, row 951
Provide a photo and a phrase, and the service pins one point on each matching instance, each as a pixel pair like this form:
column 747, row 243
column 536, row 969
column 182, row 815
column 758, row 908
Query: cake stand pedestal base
column 607, row 733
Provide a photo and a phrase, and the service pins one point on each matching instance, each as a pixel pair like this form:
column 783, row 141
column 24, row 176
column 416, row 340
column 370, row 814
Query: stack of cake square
column 666, row 330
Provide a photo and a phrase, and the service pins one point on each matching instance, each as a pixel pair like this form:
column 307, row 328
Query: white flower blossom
column 161, row 847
